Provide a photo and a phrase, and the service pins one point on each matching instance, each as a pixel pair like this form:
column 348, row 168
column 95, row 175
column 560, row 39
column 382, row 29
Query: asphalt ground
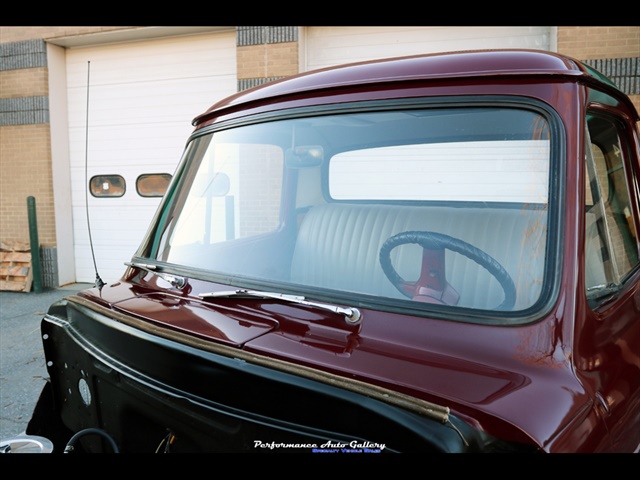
column 22, row 366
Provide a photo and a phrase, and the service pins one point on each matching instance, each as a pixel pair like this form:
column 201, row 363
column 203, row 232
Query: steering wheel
column 432, row 286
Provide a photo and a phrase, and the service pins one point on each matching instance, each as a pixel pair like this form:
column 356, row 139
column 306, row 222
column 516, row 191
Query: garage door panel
column 139, row 62
column 142, row 99
column 107, row 227
column 122, row 145
column 172, row 100
column 126, row 222
column 327, row 46
column 109, row 264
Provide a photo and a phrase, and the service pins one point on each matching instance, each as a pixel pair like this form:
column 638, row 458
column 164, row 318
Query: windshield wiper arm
column 174, row 280
column 351, row 315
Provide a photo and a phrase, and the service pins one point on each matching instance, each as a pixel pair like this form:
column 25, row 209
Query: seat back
column 338, row 247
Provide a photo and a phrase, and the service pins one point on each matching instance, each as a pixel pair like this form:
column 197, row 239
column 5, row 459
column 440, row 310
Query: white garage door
column 142, row 97
column 327, row 46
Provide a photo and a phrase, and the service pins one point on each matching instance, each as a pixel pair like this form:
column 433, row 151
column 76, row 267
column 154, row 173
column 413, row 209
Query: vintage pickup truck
column 435, row 253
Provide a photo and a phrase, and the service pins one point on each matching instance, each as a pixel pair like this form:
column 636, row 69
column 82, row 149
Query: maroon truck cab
column 434, row 253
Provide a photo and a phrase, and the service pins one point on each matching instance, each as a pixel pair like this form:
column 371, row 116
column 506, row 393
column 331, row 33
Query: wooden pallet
column 15, row 267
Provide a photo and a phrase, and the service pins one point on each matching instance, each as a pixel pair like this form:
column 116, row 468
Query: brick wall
column 25, row 154
column 586, row 43
column 265, row 53
column 26, row 171
column 267, row 60
column 24, row 83
column 615, row 43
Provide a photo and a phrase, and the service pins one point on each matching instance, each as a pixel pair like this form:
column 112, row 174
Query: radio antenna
column 98, row 283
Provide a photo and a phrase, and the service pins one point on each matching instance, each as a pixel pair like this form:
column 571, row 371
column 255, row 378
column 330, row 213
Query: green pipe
column 35, row 245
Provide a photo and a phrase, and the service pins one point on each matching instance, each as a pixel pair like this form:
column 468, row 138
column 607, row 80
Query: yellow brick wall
column 588, row 43
column 267, row 60
column 25, row 163
column 29, row 82
column 592, row 42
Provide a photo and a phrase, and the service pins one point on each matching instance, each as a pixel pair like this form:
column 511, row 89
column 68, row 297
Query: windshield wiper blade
column 175, row 280
column 351, row 314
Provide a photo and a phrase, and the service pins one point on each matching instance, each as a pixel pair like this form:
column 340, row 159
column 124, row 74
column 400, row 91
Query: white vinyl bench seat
column 338, row 247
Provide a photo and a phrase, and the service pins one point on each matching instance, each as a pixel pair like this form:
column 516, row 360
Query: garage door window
column 107, row 186
column 152, row 184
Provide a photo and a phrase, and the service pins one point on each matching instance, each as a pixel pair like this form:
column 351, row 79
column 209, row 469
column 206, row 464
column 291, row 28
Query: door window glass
column 611, row 236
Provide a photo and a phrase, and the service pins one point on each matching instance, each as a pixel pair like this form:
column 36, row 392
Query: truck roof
column 438, row 66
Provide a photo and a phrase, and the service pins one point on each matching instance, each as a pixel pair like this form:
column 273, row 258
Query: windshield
column 444, row 206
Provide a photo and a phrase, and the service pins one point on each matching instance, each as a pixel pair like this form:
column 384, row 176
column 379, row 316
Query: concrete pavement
column 22, row 366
